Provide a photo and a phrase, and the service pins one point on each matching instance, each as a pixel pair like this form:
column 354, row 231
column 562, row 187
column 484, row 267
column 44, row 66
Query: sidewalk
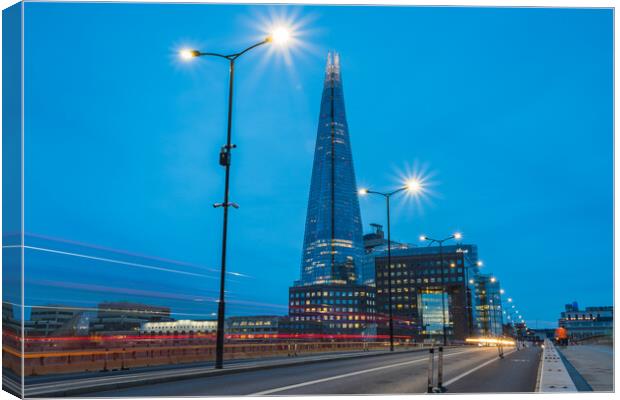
column 594, row 363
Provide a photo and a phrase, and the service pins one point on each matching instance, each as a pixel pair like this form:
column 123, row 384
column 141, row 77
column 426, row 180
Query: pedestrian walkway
column 554, row 375
column 594, row 363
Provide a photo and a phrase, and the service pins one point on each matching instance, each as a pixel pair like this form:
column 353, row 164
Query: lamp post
column 411, row 186
column 279, row 35
column 456, row 236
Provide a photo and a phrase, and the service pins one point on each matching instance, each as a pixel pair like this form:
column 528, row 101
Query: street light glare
column 458, row 236
column 479, row 263
column 280, row 35
column 362, row 191
column 188, row 54
column 413, row 186
column 422, row 238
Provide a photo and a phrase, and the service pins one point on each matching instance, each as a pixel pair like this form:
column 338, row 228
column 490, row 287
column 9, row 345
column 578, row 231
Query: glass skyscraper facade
column 327, row 299
column 333, row 247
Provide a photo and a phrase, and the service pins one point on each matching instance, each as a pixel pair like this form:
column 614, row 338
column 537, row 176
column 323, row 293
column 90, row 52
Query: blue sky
column 509, row 111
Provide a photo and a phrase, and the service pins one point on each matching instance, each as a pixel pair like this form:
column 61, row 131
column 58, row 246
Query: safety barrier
column 109, row 358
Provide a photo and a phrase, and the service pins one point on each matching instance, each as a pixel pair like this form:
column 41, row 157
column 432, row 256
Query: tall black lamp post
column 280, row 36
column 411, row 186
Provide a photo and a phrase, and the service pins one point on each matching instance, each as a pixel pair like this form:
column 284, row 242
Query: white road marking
column 331, row 378
column 464, row 374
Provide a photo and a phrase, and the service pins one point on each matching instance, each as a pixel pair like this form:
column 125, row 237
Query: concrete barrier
column 553, row 375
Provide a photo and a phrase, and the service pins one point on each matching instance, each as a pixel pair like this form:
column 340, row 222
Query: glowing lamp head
column 422, row 238
column 479, row 263
column 471, row 281
column 458, row 236
column 510, row 300
column 279, row 35
column 493, row 280
column 501, row 291
column 362, row 191
column 188, row 54
column 413, row 186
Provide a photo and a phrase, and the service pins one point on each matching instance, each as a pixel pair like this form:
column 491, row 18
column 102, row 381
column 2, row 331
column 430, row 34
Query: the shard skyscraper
column 333, row 246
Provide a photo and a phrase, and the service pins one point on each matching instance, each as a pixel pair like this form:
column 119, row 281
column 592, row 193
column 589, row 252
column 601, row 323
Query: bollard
column 431, row 367
column 440, row 387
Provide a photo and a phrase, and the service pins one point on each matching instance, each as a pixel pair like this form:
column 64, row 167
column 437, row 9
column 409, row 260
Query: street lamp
column 278, row 36
column 412, row 186
column 456, row 236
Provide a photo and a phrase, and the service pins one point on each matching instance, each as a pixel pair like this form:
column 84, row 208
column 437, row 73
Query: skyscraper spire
column 333, row 237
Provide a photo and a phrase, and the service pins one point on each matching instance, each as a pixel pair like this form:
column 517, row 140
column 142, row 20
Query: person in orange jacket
column 561, row 336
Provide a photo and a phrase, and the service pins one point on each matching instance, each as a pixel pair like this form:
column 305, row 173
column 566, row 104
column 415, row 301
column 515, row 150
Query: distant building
column 488, row 305
column 254, row 326
column 332, row 248
column 56, row 320
column 418, row 285
column 375, row 245
column 126, row 318
column 333, row 310
column 181, row 327
column 9, row 322
column 593, row 321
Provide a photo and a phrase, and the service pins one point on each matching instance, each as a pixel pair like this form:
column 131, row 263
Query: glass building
column 333, row 248
column 488, row 300
column 327, row 299
column 420, row 287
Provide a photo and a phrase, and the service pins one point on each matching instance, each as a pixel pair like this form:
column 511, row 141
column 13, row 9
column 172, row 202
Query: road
column 466, row 370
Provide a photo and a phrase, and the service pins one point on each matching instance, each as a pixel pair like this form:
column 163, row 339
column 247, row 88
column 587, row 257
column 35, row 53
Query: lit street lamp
column 278, row 36
column 412, row 186
column 456, row 236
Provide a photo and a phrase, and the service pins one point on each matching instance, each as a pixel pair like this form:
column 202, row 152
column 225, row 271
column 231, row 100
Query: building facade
column 333, row 248
column 333, row 310
column 255, row 326
column 180, row 327
column 333, row 231
column 425, row 293
column 582, row 324
column 126, row 318
column 488, row 305
column 375, row 244
column 55, row 320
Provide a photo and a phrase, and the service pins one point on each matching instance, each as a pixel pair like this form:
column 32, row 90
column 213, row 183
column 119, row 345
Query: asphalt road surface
column 466, row 370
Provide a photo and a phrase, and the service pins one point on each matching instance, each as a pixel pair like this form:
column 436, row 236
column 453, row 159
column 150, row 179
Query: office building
column 333, row 247
column 375, row 244
column 255, row 326
column 582, row 324
column 488, row 305
column 424, row 294
column 180, row 327
column 126, row 318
